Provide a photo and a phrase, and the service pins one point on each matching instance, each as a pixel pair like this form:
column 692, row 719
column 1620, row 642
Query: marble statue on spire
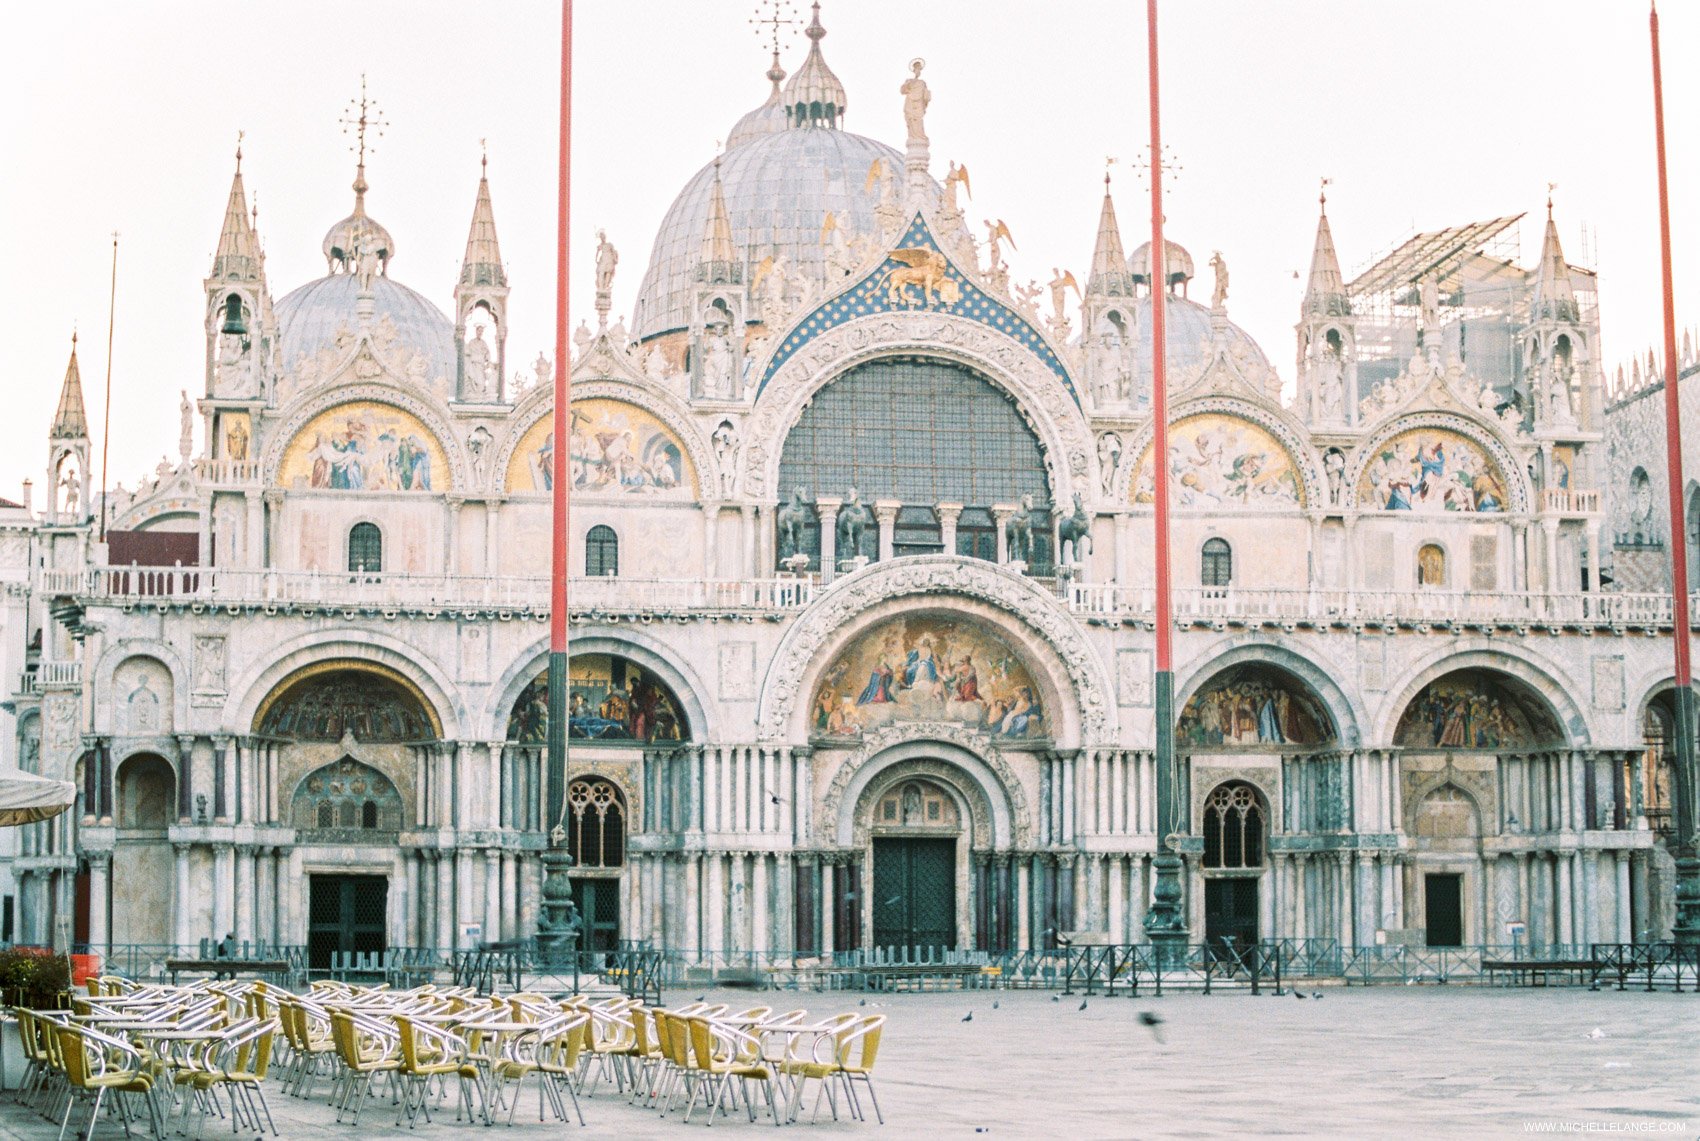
column 915, row 100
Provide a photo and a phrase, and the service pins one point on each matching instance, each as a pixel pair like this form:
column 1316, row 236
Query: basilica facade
column 862, row 601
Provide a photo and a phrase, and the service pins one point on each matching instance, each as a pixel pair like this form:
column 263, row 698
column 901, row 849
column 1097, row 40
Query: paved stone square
column 1428, row 1061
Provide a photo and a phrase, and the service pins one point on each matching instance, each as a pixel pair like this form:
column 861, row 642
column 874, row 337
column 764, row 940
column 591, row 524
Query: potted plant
column 34, row 978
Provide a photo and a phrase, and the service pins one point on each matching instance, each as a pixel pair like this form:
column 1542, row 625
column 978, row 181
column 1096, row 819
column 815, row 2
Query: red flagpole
column 558, row 924
column 1687, row 923
column 1165, row 921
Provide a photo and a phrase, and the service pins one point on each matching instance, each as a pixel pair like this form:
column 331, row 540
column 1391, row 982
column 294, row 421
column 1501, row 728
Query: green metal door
column 1230, row 915
column 1444, row 909
column 914, row 900
column 598, row 903
column 345, row 913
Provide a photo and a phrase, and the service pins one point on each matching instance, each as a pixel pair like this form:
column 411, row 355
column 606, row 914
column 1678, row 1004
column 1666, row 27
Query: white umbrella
column 26, row 798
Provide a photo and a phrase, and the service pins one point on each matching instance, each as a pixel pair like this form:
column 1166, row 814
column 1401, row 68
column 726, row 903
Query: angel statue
column 995, row 232
column 1062, row 281
column 957, row 175
column 915, row 100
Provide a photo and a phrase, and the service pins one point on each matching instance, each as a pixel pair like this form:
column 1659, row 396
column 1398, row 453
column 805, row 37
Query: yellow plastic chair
column 719, row 1060
column 95, row 1063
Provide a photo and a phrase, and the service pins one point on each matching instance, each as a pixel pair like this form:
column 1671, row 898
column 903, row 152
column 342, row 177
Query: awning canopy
column 26, row 798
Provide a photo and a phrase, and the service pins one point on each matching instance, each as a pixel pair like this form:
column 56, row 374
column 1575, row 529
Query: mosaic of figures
column 1431, row 469
column 1223, row 461
column 1470, row 710
column 609, row 698
column 928, row 669
column 616, row 448
column 1253, row 705
column 333, row 702
column 365, row 446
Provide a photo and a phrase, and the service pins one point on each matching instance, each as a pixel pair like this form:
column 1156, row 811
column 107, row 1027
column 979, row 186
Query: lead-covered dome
column 1190, row 336
column 322, row 315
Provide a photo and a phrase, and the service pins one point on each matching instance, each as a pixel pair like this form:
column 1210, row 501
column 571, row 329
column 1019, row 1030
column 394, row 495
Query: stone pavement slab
column 1382, row 1062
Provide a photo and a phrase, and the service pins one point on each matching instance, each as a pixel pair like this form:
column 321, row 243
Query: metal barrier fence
column 636, row 972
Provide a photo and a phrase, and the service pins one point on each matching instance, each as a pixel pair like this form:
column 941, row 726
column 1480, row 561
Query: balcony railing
column 227, row 471
column 212, row 586
column 1569, row 501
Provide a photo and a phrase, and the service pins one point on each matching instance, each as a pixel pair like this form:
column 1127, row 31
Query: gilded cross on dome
column 768, row 26
column 363, row 115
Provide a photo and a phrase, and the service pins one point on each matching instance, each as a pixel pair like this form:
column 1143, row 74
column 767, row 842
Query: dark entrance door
column 345, row 913
column 1443, row 908
column 914, row 900
column 598, row 903
column 1230, row 915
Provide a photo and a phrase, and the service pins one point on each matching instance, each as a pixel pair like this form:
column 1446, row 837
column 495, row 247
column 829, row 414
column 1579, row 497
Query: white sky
column 123, row 116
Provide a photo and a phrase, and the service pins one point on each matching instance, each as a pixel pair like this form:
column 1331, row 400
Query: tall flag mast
column 1687, row 925
column 1165, row 921
column 559, row 924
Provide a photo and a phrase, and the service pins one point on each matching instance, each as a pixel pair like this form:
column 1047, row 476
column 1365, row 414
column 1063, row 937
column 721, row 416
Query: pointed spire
column 1554, row 296
column 70, row 422
column 1109, row 277
column 483, row 262
column 238, row 256
column 815, row 97
column 1325, row 295
column 718, row 252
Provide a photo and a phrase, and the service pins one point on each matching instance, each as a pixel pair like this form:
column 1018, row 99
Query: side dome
column 321, row 315
column 1177, row 263
column 1190, row 336
column 778, row 190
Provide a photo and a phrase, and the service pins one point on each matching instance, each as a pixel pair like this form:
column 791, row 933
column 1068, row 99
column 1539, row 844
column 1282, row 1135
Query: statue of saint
column 236, row 441
column 545, row 371
column 72, row 489
column 186, row 427
column 1219, row 295
column 915, row 100
column 717, row 363
column 607, row 258
column 477, row 364
column 1430, row 295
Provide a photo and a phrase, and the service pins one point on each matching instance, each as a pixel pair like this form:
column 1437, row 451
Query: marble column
column 1002, row 513
column 885, row 510
column 245, row 893
column 1301, row 921
column 100, row 867
column 948, row 514
column 224, row 918
column 510, row 924
column 714, row 902
column 828, row 905
column 748, row 510
column 180, row 919
column 492, row 894
column 826, row 510
column 445, row 886
column 1124, row 548
column 761, row 936
column 710, row 561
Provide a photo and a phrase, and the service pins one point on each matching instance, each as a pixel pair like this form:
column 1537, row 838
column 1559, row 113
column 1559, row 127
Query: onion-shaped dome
column 358, row 235
column 1177, row 263
column 815, row 97
column 315, row 316
column 768, row 119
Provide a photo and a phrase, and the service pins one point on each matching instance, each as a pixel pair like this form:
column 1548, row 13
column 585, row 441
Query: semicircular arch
column 319, row 408
column 1535, row 677
column 1343, row 709
column 1399, row 440
column 434, row 686
column 971, row 762
column 1056, row 651
column 1292, row 480
column 1043, row 402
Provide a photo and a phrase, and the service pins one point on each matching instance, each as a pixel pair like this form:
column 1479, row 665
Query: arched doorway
column 1483, row 754
column 915, row 832
column 347, row 738
column 1266, row 773
column 596, row 839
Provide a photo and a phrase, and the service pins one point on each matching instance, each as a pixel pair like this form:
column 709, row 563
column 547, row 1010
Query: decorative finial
column 1322, row 194
column 483, row 158
column 1551, row 186
column 1109, row 161
column 363, row 115
column 769, row 27
column 815, row 31
column 239, row 136
column 73, row 336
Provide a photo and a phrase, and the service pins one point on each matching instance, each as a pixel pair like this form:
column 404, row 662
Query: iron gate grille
column 914, row 901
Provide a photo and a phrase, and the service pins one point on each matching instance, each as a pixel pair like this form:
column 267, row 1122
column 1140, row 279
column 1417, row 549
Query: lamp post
column 1165, row 920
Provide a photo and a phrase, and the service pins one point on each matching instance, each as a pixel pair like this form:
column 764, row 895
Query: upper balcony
column 431, row 596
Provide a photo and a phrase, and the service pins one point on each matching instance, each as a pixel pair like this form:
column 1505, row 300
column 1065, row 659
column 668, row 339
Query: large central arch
column 1031, row 619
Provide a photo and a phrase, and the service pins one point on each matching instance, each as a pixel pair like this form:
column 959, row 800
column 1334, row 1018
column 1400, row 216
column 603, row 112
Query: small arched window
column 1233, row 827
column 369, row 814
column 1217, row 565
column 596, row 824
column 1431, row 565
column 326, row 814
column 601, row 552
column 365, row 548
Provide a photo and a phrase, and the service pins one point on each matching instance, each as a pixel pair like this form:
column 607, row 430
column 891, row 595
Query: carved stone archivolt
column 622, row 774
column 1516, row 479
column 1039, row 396
column 971, row 799
column 299, row 414
column 978, row 745
column 1276, row 424
column 937, row 577
column 1207, row 774
column 639, row 392
column 1475, row 776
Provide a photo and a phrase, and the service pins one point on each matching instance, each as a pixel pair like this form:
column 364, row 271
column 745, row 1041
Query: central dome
column 322, row 315
column 778, row 189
